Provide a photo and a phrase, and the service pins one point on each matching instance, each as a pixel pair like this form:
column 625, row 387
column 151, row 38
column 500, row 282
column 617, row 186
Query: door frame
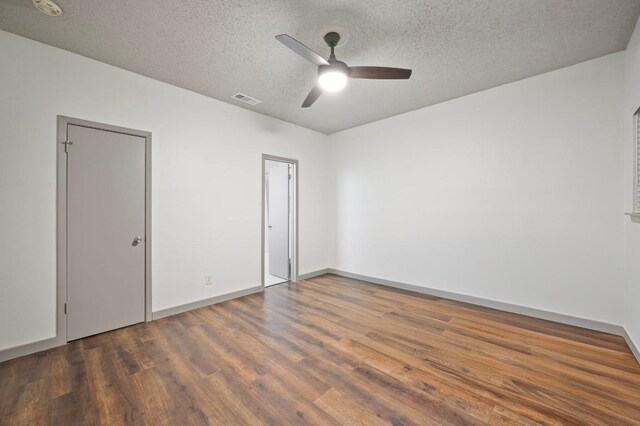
column 61, row 211
column 293, row 275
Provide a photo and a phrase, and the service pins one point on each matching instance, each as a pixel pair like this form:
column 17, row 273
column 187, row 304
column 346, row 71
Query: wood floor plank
column 330, row 350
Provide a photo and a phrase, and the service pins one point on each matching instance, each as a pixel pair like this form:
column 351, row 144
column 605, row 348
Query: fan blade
column 379, row 73
column 312, row 96
column 301, row 49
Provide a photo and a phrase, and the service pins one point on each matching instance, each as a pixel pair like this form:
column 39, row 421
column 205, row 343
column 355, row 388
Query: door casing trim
column 61, row 217
column 294, row 240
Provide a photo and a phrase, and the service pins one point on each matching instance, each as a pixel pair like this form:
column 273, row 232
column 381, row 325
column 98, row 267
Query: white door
column 105, row 231
column 278, row 219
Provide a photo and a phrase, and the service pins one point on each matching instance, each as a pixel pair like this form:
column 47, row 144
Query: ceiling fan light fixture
column 332, row 80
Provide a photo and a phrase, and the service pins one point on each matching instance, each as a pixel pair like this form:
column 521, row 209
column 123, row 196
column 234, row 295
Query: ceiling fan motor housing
column 335, row 66
column 332, row 39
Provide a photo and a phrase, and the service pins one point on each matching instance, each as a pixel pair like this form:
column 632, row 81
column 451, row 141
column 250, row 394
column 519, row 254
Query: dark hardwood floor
column 330, row 350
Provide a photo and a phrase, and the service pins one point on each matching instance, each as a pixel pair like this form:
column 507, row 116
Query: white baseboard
column 47, row 344
column 632, row 345
column 29, row 348
column 313, row 274
column 503, row 306
column 205, row 302
column 43, row 345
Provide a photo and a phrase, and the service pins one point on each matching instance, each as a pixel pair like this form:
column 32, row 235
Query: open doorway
column 279, row 216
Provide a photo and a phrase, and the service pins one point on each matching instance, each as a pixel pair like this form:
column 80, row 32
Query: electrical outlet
column 208, row 280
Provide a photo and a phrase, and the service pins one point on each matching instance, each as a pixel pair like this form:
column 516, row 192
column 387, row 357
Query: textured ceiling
column 219, row 48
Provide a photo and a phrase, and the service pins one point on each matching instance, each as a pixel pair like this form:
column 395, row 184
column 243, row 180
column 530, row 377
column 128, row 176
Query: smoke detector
column 47, row 7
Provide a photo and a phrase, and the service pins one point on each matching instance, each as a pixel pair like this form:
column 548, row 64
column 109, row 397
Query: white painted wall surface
column 632, row 227
column 513, row 194
column 207, row 162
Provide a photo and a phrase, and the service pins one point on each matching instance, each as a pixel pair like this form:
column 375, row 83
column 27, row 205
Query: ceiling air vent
column 246, row 99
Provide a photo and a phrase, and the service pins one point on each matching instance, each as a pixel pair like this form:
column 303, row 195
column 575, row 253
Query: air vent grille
column 246, row 99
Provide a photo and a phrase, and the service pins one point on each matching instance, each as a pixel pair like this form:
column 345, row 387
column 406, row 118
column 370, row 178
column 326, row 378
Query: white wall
column 206, row 181
column 514, row 194
column 632, row 227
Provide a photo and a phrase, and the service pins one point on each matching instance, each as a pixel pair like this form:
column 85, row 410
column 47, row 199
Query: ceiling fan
column 332, row 73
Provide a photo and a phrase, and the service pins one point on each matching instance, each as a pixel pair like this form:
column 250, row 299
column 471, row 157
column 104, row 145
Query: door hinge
column 65, row 309
column 66, row 146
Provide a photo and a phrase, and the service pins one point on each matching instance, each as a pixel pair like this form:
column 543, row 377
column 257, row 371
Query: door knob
column 136, row 241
